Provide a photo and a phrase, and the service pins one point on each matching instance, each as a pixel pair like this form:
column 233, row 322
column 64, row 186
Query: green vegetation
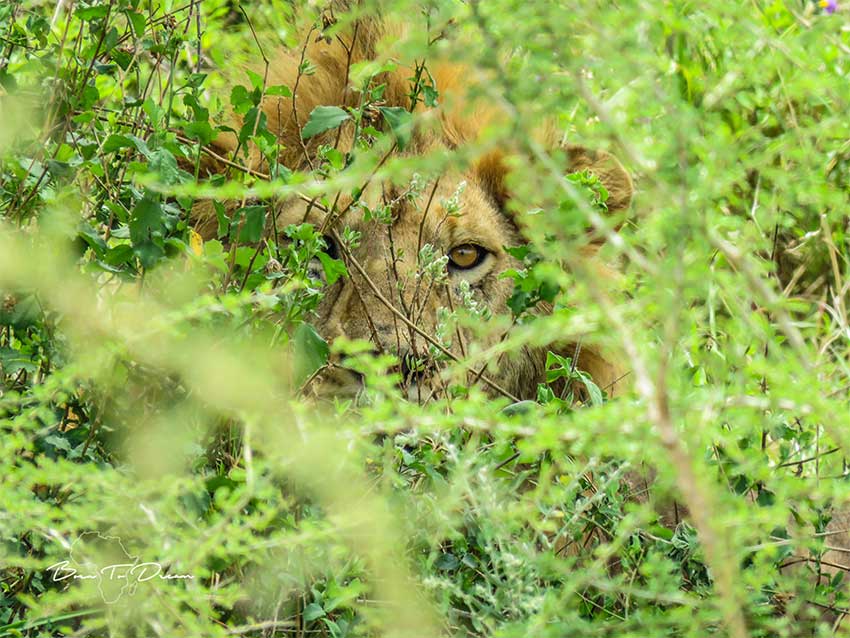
column 154, row 387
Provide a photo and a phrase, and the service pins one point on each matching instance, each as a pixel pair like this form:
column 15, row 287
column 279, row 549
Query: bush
column 154, row 383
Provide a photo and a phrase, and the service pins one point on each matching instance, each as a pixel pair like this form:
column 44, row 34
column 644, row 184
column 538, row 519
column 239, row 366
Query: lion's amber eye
column 466, row 256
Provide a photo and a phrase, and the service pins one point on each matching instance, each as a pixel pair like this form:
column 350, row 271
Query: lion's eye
column 466, row 256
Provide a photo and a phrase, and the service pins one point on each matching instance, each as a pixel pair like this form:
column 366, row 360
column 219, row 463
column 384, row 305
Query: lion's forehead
column 444, row 213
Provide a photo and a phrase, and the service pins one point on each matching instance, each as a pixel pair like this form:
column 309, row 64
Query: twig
column 413, row 326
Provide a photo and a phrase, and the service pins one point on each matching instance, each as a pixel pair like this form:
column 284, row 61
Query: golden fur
column 384, row 266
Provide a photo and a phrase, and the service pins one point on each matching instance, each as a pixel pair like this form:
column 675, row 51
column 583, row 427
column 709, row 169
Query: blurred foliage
column 150, row 381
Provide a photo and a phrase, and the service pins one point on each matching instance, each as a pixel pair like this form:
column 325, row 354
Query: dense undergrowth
column 152, row 384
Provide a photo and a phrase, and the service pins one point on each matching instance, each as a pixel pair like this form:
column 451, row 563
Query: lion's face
column 395, row 296
column 436, row 250
column 424, row 252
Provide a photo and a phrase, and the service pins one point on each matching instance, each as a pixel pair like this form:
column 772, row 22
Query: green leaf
column 519, row 408
column 91, row 238
column 21, row 313
column 519, row 301
column 147, row 225
column 104, row 69
column 196, row 80
column 256, row 79
column 154, row 110
column 312, row 612
column 336, row 159
column 279, row 89
column 430, row 95
column 92, row 13
column 116, row 142
column 596, row 397
column 58, row 442
column 401, row 124
column 447, row 562
column 89, row 96
column 121, row 254
column 311, row 351
column 334, row 268
column 201, row 131
column 323, row 118
column 59, row 170
column 121, row 58
column 251, row 229
column 12, row 361
column 518, row 252
column 163, row 162
column 254, row 122
column 223, row 219
column 137, row 21
column 240, row 99
column 548, row 290
column 557, row 367
column 145, row 220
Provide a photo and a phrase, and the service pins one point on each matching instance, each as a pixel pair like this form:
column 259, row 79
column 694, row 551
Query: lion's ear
column 608, row 169
column 493, row 167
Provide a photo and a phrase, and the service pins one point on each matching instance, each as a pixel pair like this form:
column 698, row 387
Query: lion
column 463, row 214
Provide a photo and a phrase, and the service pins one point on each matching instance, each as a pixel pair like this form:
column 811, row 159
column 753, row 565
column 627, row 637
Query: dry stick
column 198, row 33
column 231, row 164
column 294, row 99
column 333, row 217
column 732, row 254
column 657, row 405
column 400, row 286
column 413, row 326
column 52, row 105
column 425, row 215
column 311, row 378
column 461, row 342
column 375, row 337
column 599, row 223
column 810, row 459
column 415, row 301
column 499, row 358
column 99, row 44
column 809, row 559
column 348, row 50
column 416, row 306
column 154, row 22
column 311, row 201
column 610, row 386
column 265, row 624
column 434, row 239
column 251, row 265
column 262, row 95
column 390, row 205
